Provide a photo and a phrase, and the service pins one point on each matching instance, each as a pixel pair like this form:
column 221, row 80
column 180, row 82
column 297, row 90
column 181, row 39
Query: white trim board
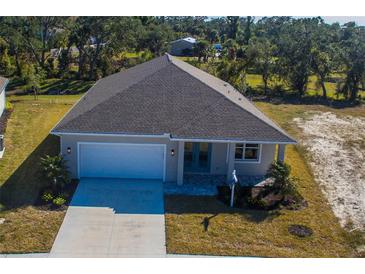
column 166, row 135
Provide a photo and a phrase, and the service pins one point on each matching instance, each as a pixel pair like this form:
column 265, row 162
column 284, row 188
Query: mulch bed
column 4, row 120
column 69, row 188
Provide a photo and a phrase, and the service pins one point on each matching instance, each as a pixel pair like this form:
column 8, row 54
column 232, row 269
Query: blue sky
column 360, row 20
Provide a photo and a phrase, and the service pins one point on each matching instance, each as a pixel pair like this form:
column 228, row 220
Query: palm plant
column 54, row 168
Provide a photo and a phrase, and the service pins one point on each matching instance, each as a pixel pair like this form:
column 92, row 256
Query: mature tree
column 264, row 59
column 294, row 52
column 230, row 48
column 322, row 67
column 11, row 31
column 232, row 26
column 6, row 67
column 248, row 26
column 352, row 54
column 212, row 36
column 202, row 49
column 39, row 33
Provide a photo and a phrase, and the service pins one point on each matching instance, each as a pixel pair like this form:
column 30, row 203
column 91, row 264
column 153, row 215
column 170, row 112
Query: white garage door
column 132, row 161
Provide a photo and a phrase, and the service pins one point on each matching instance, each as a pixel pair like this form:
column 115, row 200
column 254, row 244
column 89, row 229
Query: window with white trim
column 247, row 152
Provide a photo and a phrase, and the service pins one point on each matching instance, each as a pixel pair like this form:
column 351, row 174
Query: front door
column 197, row 157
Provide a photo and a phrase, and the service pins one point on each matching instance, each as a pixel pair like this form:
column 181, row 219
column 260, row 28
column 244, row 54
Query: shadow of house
column 22, row 187
column 123, row 196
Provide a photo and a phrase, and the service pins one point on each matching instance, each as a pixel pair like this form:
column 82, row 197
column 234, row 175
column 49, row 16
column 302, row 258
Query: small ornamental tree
column 54, row 168
column 283, row 182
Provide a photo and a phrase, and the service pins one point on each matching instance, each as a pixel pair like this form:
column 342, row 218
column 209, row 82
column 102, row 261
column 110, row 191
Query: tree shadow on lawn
column 22, row 187
column 179, row 204
column 294, row 99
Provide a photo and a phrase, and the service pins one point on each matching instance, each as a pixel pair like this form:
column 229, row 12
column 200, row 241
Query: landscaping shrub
column 59, row 201
column 47, row 196
column 60, row 188
column 286, row 185
column 282, row 191
column 257, row 203
column 54, row 169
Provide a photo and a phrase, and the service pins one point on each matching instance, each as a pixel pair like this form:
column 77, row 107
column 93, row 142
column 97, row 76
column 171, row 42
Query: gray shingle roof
column 169, row 96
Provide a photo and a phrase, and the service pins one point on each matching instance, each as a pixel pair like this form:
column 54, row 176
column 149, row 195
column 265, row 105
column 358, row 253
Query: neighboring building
column 3, row 84
column 163, row 119
column 182, row 47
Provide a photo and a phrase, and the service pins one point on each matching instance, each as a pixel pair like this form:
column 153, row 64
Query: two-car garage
column 121, row 160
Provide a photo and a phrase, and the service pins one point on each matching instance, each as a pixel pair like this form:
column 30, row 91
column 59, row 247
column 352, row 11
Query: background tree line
column 283, row 50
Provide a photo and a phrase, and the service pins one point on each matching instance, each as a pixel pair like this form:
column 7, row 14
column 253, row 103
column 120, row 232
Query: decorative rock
column 2, row 220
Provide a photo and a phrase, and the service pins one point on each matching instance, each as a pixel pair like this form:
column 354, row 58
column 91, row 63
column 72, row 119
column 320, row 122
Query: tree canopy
column 285, row 48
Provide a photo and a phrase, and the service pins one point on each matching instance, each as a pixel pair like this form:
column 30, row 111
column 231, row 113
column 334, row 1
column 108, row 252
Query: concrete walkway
column 113, row 218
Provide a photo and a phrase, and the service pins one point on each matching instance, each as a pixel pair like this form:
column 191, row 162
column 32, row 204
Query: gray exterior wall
column 178, row 47
column 267, row 157
column 218, row 162
column 72, row 140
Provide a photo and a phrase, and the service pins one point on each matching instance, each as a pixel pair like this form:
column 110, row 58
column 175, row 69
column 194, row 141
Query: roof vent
column 225, row 84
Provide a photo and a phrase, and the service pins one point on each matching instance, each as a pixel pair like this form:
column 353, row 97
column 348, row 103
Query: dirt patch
column 337, row 152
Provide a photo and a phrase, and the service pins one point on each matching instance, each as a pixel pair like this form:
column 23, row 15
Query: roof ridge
column 263, row 117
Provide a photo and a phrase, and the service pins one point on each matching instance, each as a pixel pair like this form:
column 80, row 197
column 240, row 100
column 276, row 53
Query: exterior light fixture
column 172, row 152
column 68, row 150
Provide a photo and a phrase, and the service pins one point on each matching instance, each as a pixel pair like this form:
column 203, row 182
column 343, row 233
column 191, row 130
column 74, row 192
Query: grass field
column 257, row 233
column 28, row 228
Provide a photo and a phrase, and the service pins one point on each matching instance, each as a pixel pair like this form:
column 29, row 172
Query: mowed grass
column 258, row 233
column 28, row 228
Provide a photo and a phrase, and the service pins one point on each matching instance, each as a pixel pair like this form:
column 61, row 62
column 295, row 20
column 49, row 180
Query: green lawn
column 28, row 228
column 257, row 233
column 231, row 232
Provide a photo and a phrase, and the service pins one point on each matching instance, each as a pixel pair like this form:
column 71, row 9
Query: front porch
column 212, row 163
column 206, row 185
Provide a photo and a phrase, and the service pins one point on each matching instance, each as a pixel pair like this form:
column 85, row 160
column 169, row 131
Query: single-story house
column 182, row 47
column 3, row 84
column 163, row 119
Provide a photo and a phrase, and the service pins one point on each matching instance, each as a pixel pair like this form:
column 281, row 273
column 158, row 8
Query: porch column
column 281, row 153
column 180, row 163
column 231, row 147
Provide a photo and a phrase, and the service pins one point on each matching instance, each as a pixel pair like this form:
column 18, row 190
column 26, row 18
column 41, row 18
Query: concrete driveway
column 113, row 218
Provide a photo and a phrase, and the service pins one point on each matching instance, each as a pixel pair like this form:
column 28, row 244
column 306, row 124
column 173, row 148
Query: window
column 247, row 152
